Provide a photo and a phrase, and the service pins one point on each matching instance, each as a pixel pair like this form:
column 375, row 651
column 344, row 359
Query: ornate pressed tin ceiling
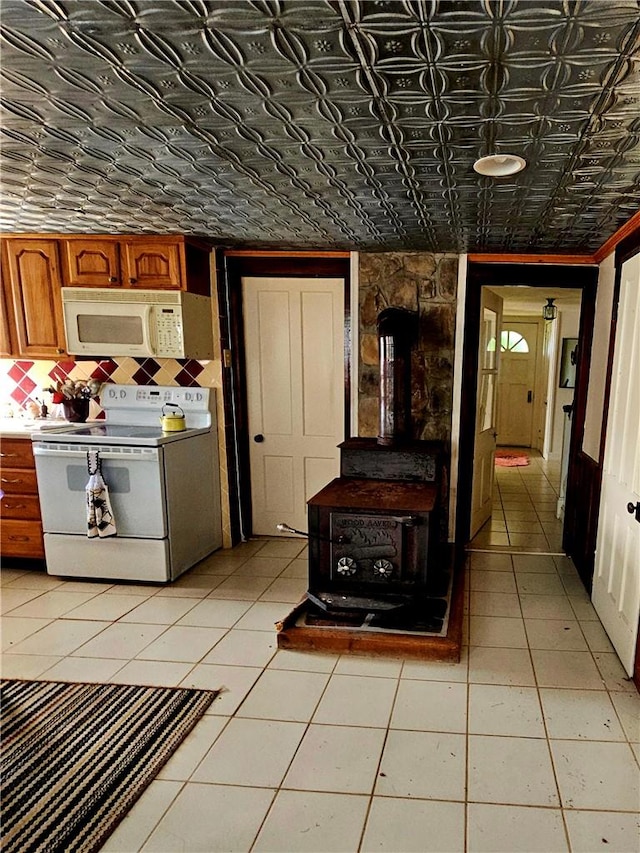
column 309, row 124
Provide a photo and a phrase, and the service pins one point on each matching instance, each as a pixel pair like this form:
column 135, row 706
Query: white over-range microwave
column 107, row 321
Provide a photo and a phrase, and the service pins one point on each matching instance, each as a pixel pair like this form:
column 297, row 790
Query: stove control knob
column 346, row 566
column 383, row 568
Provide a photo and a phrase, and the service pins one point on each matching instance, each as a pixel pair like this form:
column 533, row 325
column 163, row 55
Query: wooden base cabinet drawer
column 21, row 539
column 21, row 528
column 20, row 481
column 16, row 453
column 26, row 507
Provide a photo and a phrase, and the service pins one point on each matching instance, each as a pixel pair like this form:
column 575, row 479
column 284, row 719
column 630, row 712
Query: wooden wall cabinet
column 5, row 334
column 31, row 291
column 151, row 263
column 21, row 529
column 90, row 262
column 35, row 267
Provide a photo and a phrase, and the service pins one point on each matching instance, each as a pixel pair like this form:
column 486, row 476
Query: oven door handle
column 148, row 453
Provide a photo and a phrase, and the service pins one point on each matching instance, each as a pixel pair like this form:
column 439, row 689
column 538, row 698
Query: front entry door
column 516, row 383
column 616, row 581
column 294, row 343
column 484, row 449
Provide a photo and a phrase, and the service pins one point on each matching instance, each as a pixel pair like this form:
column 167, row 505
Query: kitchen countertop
column 23, row 427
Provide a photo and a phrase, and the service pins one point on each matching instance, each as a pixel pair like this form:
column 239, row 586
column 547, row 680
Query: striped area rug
column 75, row 757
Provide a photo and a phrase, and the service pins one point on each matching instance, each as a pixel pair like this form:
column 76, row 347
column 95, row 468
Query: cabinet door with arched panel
column 90, row 262
column 33, row 294
column 152, row 264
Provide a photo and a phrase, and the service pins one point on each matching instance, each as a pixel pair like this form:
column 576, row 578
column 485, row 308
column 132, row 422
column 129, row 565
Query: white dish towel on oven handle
column 100, row 521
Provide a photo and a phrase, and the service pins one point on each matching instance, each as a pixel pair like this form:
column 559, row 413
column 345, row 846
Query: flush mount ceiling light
column 550, row 311
column 499, row 165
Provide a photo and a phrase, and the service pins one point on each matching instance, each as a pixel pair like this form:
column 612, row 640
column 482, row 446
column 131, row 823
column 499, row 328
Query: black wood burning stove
column 373, row 542
column 374, row 532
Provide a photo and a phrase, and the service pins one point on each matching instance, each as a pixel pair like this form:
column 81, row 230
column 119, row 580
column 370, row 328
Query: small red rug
column 511, row 460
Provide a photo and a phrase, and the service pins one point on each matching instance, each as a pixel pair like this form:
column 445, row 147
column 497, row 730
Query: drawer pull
column 19, row 538
column 5, row 480
column 13, row 506
column 9, row 455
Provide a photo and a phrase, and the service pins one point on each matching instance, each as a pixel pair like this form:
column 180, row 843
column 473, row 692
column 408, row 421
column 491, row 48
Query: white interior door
column 485, row 436
column 294, row 342
column 517, row 383
column 616, row 581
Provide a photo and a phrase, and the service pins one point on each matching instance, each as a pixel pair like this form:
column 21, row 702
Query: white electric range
column 164, row 487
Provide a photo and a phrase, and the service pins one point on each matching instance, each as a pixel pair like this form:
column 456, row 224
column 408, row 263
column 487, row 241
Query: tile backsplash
column 22, row 382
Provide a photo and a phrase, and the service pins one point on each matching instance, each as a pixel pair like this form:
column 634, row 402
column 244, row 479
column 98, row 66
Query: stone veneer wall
column 425, row 283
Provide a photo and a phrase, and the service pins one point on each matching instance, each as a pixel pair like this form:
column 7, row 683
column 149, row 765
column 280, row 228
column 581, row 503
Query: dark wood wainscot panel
column 581, row 514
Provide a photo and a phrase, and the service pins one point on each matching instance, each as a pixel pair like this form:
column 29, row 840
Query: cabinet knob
column 132, row 281
column 259, row 438
column 59, row 350
column 113, row 279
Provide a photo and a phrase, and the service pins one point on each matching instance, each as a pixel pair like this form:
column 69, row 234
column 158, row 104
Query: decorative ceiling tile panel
column 303, row 123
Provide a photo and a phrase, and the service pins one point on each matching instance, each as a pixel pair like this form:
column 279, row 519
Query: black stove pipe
column 397, row 330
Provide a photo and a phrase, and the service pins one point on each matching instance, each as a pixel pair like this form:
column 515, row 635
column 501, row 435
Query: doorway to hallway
column 538, row 278
column 524, row 508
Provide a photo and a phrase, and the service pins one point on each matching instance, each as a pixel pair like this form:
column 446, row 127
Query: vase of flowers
column 75, row 396
column 76, row 409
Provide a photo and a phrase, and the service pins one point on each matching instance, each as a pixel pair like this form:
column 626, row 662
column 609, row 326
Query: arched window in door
column 510, row 341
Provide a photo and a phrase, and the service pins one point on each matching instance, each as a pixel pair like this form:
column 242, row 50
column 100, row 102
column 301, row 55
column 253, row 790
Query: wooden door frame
column 625, row 249
column 238, row 264
column 497, row 274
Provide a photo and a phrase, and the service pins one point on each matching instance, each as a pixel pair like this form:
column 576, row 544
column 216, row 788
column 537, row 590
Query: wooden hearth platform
column 296, row 632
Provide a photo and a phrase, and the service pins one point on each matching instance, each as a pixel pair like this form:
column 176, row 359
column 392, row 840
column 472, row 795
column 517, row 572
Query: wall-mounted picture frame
column 568, row 361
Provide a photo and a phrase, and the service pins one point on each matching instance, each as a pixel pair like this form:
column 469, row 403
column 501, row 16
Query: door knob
column 259, row 438
column 634, row 508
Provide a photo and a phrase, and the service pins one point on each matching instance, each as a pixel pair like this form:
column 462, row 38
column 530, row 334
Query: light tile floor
column 530, row 743
column 524, row 507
